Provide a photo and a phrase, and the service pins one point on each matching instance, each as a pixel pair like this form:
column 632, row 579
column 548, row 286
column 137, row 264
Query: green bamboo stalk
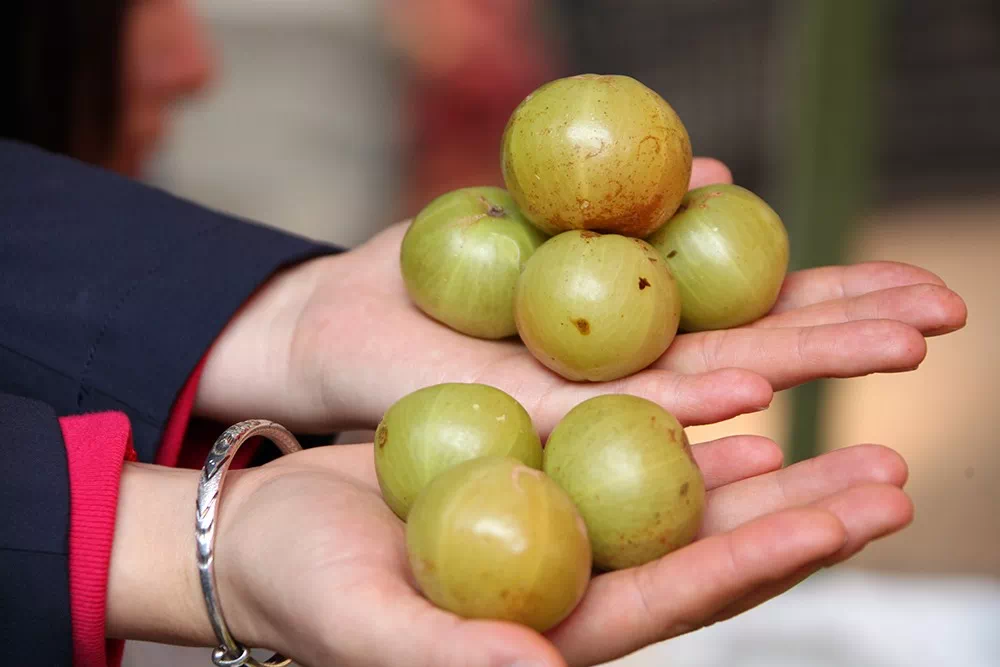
column 833, row 76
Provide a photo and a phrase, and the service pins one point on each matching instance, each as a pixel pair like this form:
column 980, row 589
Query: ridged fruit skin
column 434, row 428
column 729, row 251
column 627, row 465
column 461, row 257
column 492, row 538
column 596, row 307
column 598, row 152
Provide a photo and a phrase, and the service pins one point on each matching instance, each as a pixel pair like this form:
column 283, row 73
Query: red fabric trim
column 177, row 425
column 97, row 445
column 187, row 440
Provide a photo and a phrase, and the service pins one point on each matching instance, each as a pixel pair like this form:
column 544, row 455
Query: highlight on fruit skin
column 461, row 256
column 627, row 465
column 596, row 307
column 434, row 428
column 596, row 152
column 729, row 251
column 494, row 539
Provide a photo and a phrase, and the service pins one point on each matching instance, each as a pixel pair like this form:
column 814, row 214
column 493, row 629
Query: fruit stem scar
column 583, row 325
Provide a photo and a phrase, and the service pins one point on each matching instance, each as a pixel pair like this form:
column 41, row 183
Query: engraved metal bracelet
column 230, row 652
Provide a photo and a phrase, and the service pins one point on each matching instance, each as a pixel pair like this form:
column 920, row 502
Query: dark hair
column 60, row 74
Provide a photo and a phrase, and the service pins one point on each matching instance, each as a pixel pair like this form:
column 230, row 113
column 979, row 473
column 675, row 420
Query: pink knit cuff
column 97, row 445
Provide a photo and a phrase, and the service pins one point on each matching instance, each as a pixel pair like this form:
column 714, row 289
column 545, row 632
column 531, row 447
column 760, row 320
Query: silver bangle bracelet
column 230, row 652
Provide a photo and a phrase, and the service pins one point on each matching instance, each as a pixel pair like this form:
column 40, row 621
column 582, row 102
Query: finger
column 788, row 357
column 735, row 458
column 800, row 484
column 708, row 171
column 411, row 631
column 626, row 610
column 868, row 513
column 721, row 461
column 931, row 309
column 695, row 399
column 809, row 286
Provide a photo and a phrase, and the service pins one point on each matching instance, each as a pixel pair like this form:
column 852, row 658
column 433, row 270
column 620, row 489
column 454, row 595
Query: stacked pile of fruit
column 499, row 527
column 595, row 255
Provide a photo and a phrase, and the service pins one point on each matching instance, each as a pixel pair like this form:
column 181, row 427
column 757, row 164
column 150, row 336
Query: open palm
column 371, row 346
column 341, row 592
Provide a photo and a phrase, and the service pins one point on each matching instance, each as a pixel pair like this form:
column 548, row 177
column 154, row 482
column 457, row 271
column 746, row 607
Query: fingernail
column 762, row 408
column 525, row 663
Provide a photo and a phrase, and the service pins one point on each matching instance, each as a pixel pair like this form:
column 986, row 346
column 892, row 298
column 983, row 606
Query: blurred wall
column 302, row 129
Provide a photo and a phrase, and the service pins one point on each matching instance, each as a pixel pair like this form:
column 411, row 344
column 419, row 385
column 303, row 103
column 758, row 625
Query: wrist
column 250, row 370
column 154, row 592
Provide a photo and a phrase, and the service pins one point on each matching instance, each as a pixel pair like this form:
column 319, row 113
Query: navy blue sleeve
column 35, row 619
column 111, row 291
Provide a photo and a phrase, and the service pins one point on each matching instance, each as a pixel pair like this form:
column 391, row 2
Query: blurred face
column 165, row 58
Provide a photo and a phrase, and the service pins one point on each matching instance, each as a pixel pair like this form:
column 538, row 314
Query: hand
column 333, row 343
column 312, row 563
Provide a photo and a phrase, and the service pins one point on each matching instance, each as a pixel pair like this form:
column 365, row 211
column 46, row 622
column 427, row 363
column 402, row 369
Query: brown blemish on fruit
column 684, row 488
column 588, row 235
column 709, row 195
column 611, row 195
column 655, row 140
column 595, row 153
column 382, row 436
column 583, row 325
column 671, row 254
column 686, row 446
column 643, row 283
column 633, row 222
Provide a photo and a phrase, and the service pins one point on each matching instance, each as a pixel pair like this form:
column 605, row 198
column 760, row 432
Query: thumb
column 708, row 171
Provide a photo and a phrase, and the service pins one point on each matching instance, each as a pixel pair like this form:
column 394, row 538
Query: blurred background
column 871, row 126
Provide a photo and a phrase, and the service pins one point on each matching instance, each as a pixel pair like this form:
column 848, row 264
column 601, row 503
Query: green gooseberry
column 598, row 152
column 729, row 251
column 461, row 256
column 595, row 306
column 492, row 538
column 433, row 428
column 627, row 464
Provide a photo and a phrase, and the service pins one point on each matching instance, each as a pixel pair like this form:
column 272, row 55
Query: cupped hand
column 332, row 344
column 326, row 579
